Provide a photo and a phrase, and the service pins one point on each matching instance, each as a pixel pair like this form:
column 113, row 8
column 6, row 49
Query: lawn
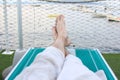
column 112, row 59
column 5, row 61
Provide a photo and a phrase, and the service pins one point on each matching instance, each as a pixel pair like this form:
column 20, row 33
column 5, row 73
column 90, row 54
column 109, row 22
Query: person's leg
column 60, row 35
column 74, row 69
column 67, row 43
column 48, row 64
column 55, row 35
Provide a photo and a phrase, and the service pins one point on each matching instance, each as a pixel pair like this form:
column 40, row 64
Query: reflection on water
column 84, row 30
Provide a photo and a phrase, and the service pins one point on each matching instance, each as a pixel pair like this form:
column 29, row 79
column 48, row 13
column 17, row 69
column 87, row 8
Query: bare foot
column 60, row 29
column 55, row 35
column 60, row 35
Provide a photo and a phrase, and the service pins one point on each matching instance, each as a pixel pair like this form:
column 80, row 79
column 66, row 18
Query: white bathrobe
column 51, row 64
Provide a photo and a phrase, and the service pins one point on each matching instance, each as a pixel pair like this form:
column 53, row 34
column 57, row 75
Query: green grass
column 5, row 61
column 114, row 62
column 112, row 59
